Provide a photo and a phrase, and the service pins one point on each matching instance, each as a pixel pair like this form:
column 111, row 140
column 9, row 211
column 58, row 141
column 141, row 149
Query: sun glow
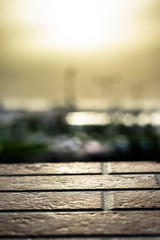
column 74, row 24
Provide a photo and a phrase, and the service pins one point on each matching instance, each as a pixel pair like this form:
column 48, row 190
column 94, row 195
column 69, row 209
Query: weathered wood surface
column 79, row 201
column 50, row 200
column 132, row 199
column 76, row 223
column 51, row 168
column 132, row 167
column 77, row 182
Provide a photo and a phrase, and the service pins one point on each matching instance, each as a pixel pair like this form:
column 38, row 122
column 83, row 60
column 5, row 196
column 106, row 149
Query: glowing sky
column 41, row 37
column 74, row 25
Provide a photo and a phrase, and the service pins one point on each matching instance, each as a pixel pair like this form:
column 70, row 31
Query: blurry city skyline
column 114, row 44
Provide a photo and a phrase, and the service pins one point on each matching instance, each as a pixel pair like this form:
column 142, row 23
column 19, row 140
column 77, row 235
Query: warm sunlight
column 85, row 24
column 75, row 25
column 87, row 118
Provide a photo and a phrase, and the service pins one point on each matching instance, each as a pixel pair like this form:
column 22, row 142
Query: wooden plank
column 132, row 167
column 132, row 199
column 79, row 223
column 50, row 200
column 51, row 168
column 78, row 182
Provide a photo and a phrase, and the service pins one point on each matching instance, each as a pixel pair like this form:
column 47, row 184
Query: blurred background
column 79, row 79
